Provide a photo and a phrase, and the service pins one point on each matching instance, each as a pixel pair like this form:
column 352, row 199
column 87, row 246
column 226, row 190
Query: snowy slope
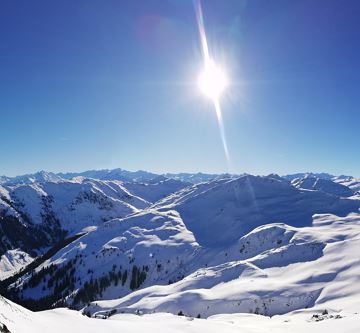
column 35, row 216
column 221, row 211
column 323, row 185
column 327, row 282
column 12, row 260
column 314, row 267
column 75, row 204
column 20, row 320
column 157, row 245
column 350, row 182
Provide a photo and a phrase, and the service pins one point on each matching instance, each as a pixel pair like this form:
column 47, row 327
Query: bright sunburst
column 213, row 80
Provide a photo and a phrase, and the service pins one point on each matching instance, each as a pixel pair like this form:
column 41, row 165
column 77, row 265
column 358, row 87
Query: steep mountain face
column 116, row 258
column 35, row 216
column 18, row 231
column 323, row 185
column 74, row 204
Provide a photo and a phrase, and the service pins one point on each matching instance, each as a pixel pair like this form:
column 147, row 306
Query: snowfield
column 20, row 320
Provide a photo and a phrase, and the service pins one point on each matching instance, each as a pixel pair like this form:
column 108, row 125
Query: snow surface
column 12, row 261
column 305, row 267
column 230, row 250
column 323, row 185
column 20, row 320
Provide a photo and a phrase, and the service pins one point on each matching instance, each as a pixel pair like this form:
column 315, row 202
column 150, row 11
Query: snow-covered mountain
column 348, row 181
column 248, row 244
column 322, row 175
column 201, row 229
column 194, row 178
column 139, row 176
column 272, row 270
column 323, row 286
column 35, row 216
column 323, row 185
column 114, row 174
column 38, row 177
column 221, row 211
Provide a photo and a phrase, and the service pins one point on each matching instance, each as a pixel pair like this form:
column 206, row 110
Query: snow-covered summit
column 220, row 211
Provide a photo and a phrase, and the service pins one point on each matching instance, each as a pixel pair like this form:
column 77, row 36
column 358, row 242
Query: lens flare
column 213, row 80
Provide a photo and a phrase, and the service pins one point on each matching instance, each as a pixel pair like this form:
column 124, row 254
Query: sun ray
column 213, row 80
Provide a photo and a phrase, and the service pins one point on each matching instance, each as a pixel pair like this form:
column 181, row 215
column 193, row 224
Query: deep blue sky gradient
column 104, row 84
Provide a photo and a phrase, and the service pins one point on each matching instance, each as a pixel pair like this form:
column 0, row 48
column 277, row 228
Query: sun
column 212, row 80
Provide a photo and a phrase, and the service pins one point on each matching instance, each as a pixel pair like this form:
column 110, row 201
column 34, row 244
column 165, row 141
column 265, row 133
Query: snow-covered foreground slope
column 20, row 320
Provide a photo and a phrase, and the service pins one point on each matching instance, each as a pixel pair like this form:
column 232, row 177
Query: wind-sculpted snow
column 221, row 211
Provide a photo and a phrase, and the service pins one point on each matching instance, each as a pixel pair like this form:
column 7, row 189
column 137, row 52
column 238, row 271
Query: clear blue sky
column 105, row 84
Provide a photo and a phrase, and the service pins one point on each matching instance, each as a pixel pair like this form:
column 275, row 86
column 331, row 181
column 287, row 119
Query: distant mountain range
column 105, row 174
column 143, row 176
